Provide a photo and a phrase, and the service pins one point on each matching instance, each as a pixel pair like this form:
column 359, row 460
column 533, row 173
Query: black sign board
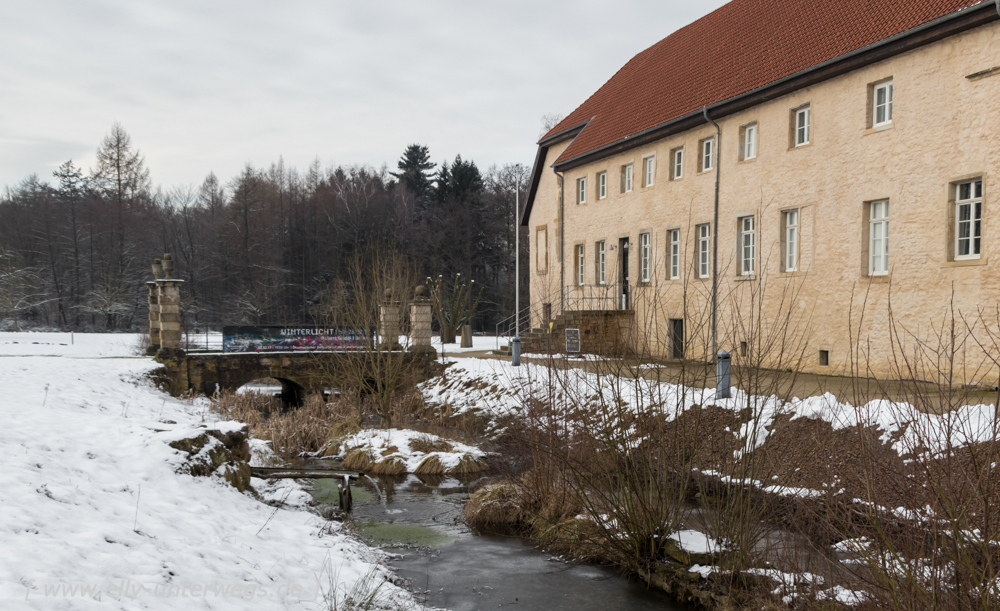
column 293, row 339
column 572, row 340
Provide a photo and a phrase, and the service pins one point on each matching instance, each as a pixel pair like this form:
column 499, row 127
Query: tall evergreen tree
column 416, row 171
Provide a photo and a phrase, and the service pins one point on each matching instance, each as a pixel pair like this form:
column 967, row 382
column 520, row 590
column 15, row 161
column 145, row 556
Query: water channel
column 447, row 566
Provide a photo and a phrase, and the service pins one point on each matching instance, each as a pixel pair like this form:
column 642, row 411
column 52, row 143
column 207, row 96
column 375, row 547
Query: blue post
column 515, row 351
column 723, row 371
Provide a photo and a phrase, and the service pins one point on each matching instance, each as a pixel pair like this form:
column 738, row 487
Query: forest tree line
column 264, row 247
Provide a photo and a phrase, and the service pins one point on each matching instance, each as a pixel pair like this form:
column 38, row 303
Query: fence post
column 723, row 373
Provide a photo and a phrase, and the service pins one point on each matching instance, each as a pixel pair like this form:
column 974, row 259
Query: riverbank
column 793, row 502
column 92, row 507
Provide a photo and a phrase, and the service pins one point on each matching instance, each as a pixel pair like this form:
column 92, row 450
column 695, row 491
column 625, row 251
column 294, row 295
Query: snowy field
column 93, row 515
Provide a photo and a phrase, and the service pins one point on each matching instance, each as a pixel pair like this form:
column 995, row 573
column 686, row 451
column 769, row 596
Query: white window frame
column 645, row 256
column 973, row 203
column 791, row 254
column 707, row 154
column 878, row 238
column 581, row 261
column 705, row 250
column 581, row 190
column 602, row 270
column 750, row 141
column 648, row 170
column 678, row 161
column 803, row 125
column 748, row 245
column 885, row 106
column 628, row 178
column 602, row 185
column 675, row 254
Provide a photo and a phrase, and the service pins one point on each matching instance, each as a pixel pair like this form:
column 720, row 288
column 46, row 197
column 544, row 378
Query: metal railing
column 573, row 298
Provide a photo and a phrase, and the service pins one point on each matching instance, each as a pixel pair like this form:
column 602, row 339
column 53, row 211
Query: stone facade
column 945, row 129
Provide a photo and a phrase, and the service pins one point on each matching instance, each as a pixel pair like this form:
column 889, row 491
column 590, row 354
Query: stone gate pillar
column 170, row 307
column 154, row 318
column 420, row 322
column 388, row 328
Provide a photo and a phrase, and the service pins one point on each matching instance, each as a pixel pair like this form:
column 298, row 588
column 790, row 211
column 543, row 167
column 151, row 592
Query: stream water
column 449, row 567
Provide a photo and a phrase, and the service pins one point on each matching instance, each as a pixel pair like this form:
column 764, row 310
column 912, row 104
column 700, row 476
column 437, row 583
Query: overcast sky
column 210, row 86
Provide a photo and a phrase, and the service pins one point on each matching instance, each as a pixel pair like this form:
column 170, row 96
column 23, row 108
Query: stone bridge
column 299, row 372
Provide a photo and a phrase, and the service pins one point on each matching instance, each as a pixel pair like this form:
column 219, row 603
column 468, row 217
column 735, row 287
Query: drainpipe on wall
column 715, row 231
column 561, row 224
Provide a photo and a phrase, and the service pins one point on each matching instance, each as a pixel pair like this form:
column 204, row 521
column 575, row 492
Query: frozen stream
column 449, row 567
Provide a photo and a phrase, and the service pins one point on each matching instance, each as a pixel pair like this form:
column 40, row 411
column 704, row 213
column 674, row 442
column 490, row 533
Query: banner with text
column 293, row 339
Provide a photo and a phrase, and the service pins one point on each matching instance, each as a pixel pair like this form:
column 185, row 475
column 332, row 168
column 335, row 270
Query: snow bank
column 395, row 443
column 92, row 511
column 497, row 388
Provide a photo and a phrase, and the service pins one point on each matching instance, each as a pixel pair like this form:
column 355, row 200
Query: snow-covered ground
column 93, row 514
column 493, row 385
column 389, row 444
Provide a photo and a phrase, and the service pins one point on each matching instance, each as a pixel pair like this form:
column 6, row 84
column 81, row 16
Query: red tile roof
column 740, row 47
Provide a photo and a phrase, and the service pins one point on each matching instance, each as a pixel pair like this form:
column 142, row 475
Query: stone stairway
column 601, row 332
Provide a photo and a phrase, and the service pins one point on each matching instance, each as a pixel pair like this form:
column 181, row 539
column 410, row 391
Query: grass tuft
column 389, row 466
column 358, row 459
column 468, row 465
column 430, row 466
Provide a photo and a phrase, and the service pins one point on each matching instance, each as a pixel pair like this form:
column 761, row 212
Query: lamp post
column 515, row 344
column 517, row 253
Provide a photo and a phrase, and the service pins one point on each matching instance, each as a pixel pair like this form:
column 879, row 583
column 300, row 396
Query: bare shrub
column 307, row 429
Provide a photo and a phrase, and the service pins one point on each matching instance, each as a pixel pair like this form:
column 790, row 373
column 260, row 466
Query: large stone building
column 852, row 148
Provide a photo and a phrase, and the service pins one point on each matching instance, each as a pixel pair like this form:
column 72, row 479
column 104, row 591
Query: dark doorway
column 677, row 338
column 623, row 292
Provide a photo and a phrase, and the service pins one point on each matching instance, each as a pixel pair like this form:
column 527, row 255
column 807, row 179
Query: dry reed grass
column 306, row 429
column 358, row 459
column 388, row 466
column 426, row 444
column 496, row 507
column 430, row 465
column 468, row 465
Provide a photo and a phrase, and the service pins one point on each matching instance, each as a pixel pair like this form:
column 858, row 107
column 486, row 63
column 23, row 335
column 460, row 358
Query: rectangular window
column 580, row 262
column 801, row 125
column 677, row 166
column 882, row 104
column 707, row 150
column 748, row 246
column 878, row 239
column 581, row 190
column 748, row 143
column 791, row 246
column 824, row 358
column 648, row 170
column 704, row 250
column 602, row 185
column 601, row 267
column 644, row 256
column 675, row 253
column 968, row 219
column 541, row 250
column 627, row 178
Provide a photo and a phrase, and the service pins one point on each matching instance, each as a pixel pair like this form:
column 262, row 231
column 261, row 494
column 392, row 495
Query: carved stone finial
column 421, row 292
column 388, row 295
column 168, row 266
column 157, row 269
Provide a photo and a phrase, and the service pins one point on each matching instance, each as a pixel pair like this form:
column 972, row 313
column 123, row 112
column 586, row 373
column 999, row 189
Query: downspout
column 562, row 224
column 715, row 233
